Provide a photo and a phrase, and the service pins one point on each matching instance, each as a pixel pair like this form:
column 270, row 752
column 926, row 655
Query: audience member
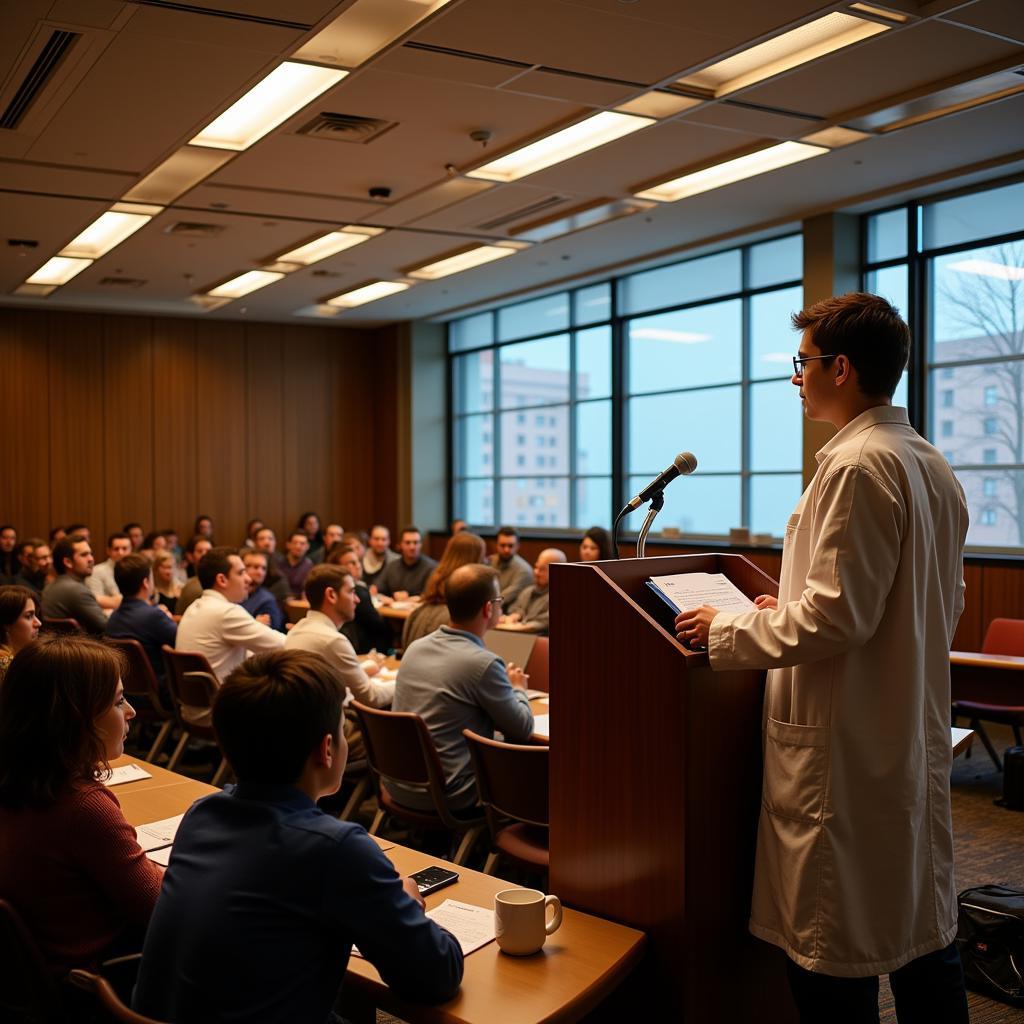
column 367, row 631
column 153, row 542
column 79, row 528
column 57, row 534
column 251, row 529
column 166, row 587
column 596, row 545
column 378, row 555
column 333, row 534
column 195, row 550
column 458, row 525
column 67, row 597
column 406, row 576
column 514, row 571
column 261, row 603
column 22, row 556
column 137, row 618
column 295, row 565
column 462, row 549
column 529, row 611
column 170, row 535
column 216, row 625
column 309, row 524
column 266, row 894
column 9, row 567
column 135, row 534
column 39, row 570
column 19, row 623
column 332, row 598
column 204, row 527
column 358, row 539
column 101, row 582
column 69, row 862
column 266, row 541
column 454, row 682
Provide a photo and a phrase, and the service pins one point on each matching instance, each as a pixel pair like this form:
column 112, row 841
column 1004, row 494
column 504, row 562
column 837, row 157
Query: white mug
column 520, row 924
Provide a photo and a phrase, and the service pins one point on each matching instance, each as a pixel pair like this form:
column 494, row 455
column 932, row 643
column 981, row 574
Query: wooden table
column 577, row 968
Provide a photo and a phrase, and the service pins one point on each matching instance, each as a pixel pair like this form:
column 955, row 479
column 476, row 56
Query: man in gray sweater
column 67, row 597
column 453, row 682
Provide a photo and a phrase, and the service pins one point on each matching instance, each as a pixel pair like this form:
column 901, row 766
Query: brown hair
column 469, row 589
column 65, row 548
column 216, row 562
column 131, row 572
column 319, row 579
column 12, row 603
column 463, row 549
column 867, row 330
column 52, row 695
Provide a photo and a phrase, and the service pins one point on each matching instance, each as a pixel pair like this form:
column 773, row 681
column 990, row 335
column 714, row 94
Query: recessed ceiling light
column 881, row 12
column 594, row 131
column 790, row 49
column 367, row 293
column 327, row 245
column 109, row 229
column 244, row 284
column 285, row 91
column 466, row 260
column 177, row 174
column 835, row 137
column 658, row 104
column 726, row 173
column 58, row 270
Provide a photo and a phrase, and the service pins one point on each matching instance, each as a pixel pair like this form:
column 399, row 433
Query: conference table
column 584, row 961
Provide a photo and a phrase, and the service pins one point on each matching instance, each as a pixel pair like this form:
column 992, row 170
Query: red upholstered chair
column 141, row 681
column 399, row 746
column 1003, row 636
column 537, row 666
column 63, row 626
column 513, row 783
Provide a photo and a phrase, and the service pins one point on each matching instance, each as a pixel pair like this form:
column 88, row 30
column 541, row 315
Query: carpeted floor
column 989, row 849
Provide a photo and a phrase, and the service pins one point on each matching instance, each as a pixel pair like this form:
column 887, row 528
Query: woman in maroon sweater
column 69, row 862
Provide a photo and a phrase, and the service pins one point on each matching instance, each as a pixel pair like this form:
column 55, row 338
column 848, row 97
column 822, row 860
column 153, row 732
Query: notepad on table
column 126, row 773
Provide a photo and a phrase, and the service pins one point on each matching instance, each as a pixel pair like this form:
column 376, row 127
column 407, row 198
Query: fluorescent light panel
column 789, row 50
column 726, row 173
column 177, row 174
column 367, row 293
column 58, row 270
column 449, row 265
column 244, row 284
column 108, row 230
column 597, row 130
column 835, row 137
column 285, row 91
column 329, row 244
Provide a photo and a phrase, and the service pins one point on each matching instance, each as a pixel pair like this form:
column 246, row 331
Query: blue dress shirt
column 262, row 602
column 149, row 624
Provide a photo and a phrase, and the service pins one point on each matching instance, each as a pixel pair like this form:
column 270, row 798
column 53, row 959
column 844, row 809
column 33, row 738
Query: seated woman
column 165, row 580
column 463, row 549
column 367, row 631
column 596, row 545
column 69, row 862
column 19, row 623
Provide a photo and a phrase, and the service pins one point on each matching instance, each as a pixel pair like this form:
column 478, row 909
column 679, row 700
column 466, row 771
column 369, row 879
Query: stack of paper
column 157, row 837
column 687, row 590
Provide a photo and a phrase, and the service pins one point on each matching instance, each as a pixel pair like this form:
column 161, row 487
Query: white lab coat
column 854, row 872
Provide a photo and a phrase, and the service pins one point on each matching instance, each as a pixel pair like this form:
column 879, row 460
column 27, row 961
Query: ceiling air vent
column 346, row 127
column 194, row 230
column 122, row 282
column 53, row 52
column 532, row 210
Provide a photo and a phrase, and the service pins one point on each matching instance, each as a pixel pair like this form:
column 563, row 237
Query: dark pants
column 928, row 990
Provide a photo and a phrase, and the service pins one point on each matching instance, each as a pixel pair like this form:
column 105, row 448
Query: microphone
column 682, row 465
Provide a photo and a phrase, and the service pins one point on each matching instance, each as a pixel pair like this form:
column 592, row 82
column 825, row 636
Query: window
column 960, row 261
column 700, row 341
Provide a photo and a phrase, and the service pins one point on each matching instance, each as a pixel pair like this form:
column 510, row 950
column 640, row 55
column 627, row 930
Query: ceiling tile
column 751, row 121
column 588, row 91
column 278, row 203
column 1003, row 17
column 449, row 67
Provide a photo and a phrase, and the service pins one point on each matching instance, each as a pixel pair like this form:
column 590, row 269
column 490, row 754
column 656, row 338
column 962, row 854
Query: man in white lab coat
column 854, row 874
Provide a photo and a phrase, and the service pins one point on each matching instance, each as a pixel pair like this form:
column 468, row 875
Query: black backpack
column 990, row 937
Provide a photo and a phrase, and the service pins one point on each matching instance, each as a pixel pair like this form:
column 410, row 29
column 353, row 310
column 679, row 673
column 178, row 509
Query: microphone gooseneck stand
column 657, row 504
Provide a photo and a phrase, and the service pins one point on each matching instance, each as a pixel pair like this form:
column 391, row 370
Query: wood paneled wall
column 107, row 418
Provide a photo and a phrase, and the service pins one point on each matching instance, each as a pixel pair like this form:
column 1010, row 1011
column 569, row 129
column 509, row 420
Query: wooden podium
column 656, row 785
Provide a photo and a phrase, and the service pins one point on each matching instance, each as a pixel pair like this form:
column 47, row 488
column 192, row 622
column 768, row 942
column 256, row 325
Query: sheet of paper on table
column 161, row 856
column 542, row 725
column 126, row 773
column 386, row 674
column 687, row 590
column 158, row 833
column 473, row 927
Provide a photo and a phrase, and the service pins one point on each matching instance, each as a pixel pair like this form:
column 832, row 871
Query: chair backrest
column 512, row 778
column 537, row 666
column 64, row 626
column 141, row 680
column 399, row 745
column 105, row 1000
column 190, row 677
column 26, row 990
column 1004, row 636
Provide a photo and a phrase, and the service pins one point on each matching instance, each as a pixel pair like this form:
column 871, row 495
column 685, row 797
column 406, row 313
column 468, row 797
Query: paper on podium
column 688, row 590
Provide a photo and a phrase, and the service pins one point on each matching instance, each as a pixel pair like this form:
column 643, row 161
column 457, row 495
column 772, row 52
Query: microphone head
column 685, row 462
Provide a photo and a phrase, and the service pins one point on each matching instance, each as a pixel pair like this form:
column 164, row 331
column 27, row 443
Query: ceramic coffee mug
column 520, row 923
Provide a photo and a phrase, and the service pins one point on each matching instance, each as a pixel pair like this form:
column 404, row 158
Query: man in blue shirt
column 265, row 894
column 136, row 618
column 261, row 603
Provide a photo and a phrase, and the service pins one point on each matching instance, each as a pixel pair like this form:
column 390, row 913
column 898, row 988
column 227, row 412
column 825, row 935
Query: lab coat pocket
column 795, row 770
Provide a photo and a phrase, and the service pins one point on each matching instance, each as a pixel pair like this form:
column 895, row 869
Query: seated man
column 265, row 894
column 216, row 625
column 295, row 565
column 514, row 572
column 261, row 603
column 39, row 565
column 332, row 598
column 529, row 611
column 195, row 549
column 333, row 532
column 101, row 582
column 379, row 554
column 407, row 575
column 453, row 682
column 138, row 618
column 67, row 597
